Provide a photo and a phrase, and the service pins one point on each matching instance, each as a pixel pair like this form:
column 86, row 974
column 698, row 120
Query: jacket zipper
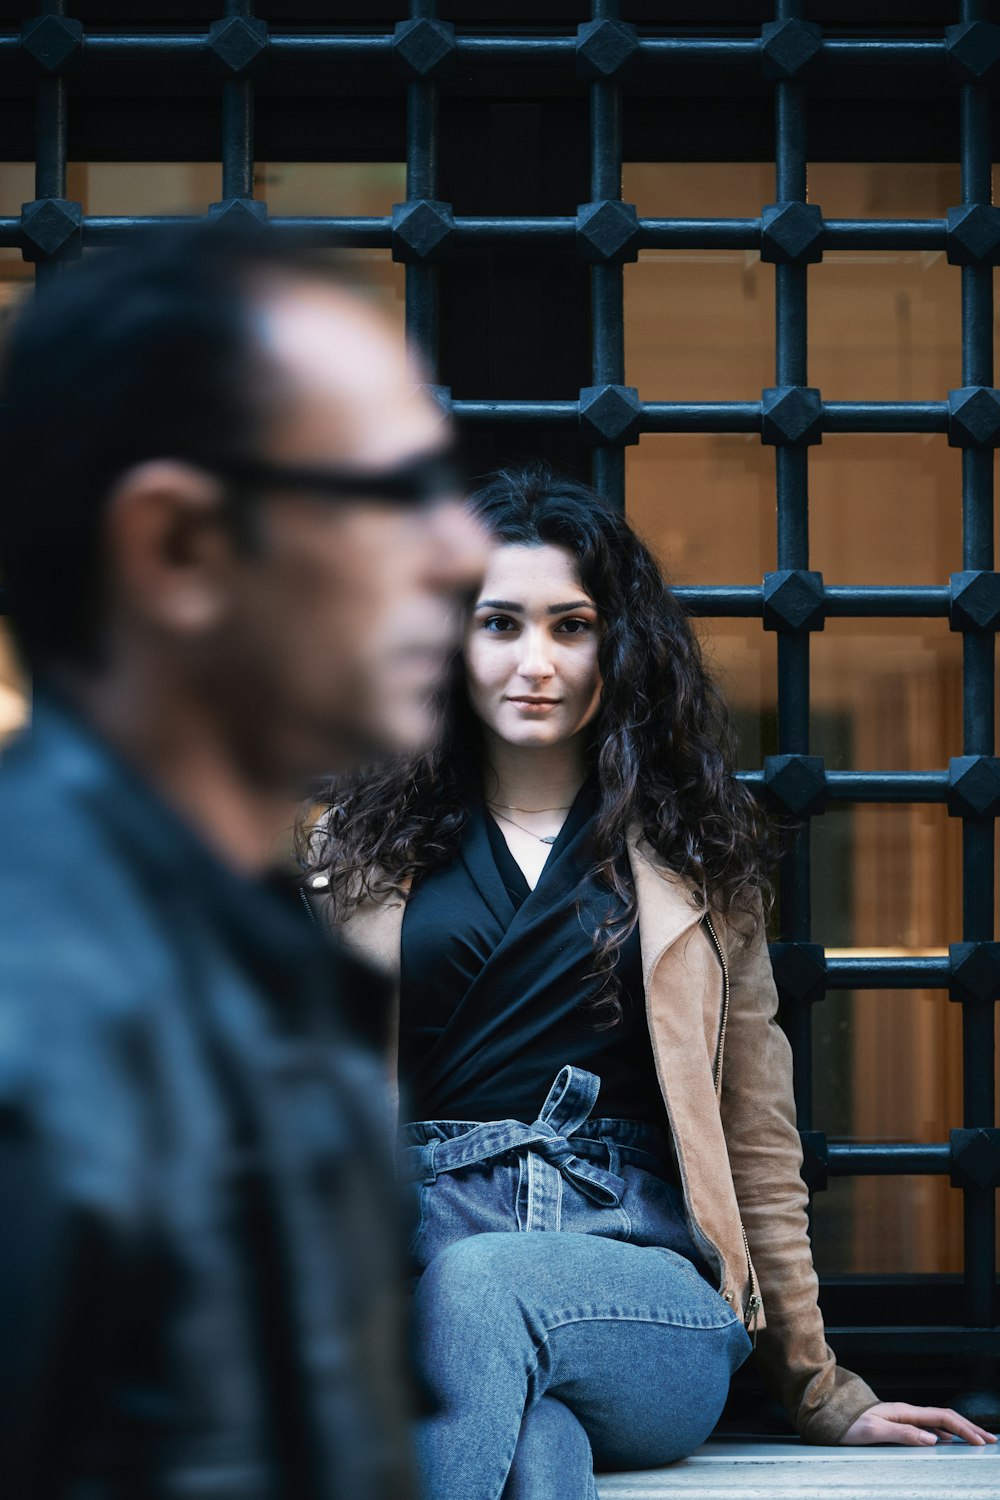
column 754, row 1304
column 720, row 1045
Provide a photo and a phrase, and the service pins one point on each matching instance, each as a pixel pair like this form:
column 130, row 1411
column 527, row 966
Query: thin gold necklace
column 543, row 838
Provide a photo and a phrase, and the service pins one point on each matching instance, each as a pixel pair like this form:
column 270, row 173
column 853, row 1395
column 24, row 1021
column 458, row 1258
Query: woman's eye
column 499, row 624
column 574, row 627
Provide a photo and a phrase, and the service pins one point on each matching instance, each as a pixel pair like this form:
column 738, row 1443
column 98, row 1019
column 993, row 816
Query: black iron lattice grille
column 608, row 415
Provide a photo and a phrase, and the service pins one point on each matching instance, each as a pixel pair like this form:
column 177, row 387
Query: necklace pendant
column 549, row 838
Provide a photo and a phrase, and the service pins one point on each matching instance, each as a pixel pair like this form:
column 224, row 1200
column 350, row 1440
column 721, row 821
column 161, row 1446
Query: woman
column 601, row 1134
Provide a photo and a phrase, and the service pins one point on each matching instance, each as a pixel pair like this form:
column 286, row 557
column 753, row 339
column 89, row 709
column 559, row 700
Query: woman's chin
column 533, row 736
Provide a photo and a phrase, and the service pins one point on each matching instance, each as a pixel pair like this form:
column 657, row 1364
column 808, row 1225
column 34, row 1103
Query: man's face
column 344, row 614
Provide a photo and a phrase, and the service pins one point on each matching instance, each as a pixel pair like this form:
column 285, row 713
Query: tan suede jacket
column 725, row 1070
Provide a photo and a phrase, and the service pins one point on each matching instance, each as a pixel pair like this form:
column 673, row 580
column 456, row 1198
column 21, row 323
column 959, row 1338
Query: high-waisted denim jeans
column 562, row 1314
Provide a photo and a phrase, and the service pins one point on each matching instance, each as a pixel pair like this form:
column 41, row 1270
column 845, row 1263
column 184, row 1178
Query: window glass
column 887, row 1226
column 885, row 508
column 699, row 325
column 884, row 326
column 884, row 189
column 705, row 502
column 898, row 684
column 698, row 189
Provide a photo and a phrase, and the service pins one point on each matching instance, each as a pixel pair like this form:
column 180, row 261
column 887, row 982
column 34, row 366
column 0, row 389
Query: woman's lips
column 534, row 705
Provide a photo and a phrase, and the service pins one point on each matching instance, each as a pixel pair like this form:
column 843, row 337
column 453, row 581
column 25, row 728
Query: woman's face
column 531, row 647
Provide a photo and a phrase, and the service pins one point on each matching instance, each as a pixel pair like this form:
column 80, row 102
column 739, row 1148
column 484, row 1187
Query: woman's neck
column 533, row 777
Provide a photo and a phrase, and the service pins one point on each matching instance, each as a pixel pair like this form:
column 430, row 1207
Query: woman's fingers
column 951, row 1423
column 913, row 1426
column 902, row 1432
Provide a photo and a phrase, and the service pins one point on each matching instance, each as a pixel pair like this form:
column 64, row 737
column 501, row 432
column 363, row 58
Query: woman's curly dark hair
column 660, row 742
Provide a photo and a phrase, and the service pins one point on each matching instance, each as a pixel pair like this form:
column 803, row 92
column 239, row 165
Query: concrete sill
column 759, row 1469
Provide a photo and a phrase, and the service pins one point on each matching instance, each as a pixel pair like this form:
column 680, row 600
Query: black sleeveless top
column 495, row 977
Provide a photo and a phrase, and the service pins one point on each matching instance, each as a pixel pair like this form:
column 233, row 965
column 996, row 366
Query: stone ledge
column 752, row 1469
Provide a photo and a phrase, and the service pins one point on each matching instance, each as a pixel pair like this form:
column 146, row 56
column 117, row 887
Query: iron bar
column 724, row 416
column 607, row 287
column 792, row 486
column 126, row 48
column 978, row 837
column 888, row 1159
column 880, row 973
column 238, row 123
column 517, row 235
column 51, row 128
column 422, row 145
column 746, row 601
column 873, row 786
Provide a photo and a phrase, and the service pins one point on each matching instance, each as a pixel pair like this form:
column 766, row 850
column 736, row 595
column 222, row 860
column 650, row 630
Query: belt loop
column 430, row 1172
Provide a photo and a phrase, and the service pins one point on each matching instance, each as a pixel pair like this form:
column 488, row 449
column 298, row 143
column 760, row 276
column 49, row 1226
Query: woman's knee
column 473, row 1281
column 475, row 1263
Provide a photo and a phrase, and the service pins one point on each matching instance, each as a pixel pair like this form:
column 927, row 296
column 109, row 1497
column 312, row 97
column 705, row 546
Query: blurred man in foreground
column 232, row 547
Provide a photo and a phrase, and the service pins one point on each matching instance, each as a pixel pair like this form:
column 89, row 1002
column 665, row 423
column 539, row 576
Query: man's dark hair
column 133, row 355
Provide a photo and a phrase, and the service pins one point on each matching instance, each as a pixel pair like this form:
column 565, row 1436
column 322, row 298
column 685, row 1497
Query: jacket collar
column 664, row 899
column 167, row 857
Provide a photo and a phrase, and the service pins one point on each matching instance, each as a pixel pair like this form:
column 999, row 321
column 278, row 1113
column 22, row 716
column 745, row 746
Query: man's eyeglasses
column 418, row 481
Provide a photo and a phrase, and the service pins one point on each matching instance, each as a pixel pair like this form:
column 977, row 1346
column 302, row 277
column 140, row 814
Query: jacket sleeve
column 57, row 1296
column 758, row 1114
column 67, row 1211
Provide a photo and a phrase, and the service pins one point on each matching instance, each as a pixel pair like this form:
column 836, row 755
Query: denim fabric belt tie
column 544, row 1149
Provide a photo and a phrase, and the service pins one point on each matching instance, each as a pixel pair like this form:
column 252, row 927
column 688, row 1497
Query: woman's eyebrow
column 553, row 609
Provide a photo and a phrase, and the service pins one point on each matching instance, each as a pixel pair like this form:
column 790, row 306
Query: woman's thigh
column 631, row 1339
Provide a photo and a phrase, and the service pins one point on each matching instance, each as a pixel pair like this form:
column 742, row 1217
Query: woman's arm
column 827, row 1403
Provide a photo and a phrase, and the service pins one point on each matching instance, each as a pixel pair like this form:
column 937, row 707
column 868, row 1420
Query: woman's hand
column 895, row 1422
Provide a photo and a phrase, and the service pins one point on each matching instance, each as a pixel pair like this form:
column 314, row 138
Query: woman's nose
column 536, row 661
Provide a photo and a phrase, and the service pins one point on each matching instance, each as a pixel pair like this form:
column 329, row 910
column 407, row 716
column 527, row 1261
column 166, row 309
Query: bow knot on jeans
column 567, row 1106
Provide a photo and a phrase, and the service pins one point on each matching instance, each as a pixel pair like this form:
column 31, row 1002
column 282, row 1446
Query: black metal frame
column 606, row 415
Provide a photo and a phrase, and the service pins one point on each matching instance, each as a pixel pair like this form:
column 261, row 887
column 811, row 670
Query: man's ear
column 170, row 552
